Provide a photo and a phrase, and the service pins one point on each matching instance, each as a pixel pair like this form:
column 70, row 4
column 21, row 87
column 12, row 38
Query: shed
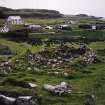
column 34, row 27
column 64, row 27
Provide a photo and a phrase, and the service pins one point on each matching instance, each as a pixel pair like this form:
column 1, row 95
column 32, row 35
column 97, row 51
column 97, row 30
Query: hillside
column 37, row 13
column 50, row 57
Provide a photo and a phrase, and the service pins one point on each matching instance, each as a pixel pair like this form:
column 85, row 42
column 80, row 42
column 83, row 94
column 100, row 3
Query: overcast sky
column 91, row 7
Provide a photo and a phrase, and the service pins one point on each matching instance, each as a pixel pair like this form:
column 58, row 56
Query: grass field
column 83, row 83
column 85, row 79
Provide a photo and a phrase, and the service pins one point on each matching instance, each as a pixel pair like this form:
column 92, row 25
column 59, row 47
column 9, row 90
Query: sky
column 72, row 7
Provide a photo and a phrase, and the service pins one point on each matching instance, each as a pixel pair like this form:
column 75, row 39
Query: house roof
column 13, row 17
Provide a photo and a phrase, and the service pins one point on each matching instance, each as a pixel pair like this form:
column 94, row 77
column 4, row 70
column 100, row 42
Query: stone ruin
column 56, row 57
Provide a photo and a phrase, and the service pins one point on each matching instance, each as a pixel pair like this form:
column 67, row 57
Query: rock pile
column 58, row 89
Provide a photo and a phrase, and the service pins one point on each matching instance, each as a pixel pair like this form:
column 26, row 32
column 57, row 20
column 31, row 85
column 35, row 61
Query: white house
column 15, row 20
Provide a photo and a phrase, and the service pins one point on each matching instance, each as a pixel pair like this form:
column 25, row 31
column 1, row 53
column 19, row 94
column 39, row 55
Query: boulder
column 25, row 100
column 21, row 100
column 6, row 100
column 58, row 89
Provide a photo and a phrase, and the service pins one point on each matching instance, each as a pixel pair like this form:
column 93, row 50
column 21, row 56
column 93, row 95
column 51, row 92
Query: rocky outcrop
column 22, row 100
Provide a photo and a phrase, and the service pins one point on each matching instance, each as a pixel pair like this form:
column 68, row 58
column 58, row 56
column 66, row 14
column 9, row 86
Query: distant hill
column 36, row 13
column 87, row 16
column 83, row 16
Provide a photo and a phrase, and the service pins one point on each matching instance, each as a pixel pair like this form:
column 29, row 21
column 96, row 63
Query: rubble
column 58, row 89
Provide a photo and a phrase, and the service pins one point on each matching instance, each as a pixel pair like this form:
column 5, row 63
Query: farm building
column 49, row 27
column 100, row 26
column 96, row 26
column 71, row 22
column 14, row 20
column 34, row 27
column 85, row 26
column 64, row 27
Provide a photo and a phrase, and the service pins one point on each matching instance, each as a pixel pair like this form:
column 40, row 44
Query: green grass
column 20, row 48
column 86, row 80
column 97, row 45
column 81, row 86
column 88, row 83
column 79, row 34
column 45, row 21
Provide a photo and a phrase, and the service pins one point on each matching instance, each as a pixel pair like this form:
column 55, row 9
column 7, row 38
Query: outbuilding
column 64, row 27
column 49, row 27
column 34, row 27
